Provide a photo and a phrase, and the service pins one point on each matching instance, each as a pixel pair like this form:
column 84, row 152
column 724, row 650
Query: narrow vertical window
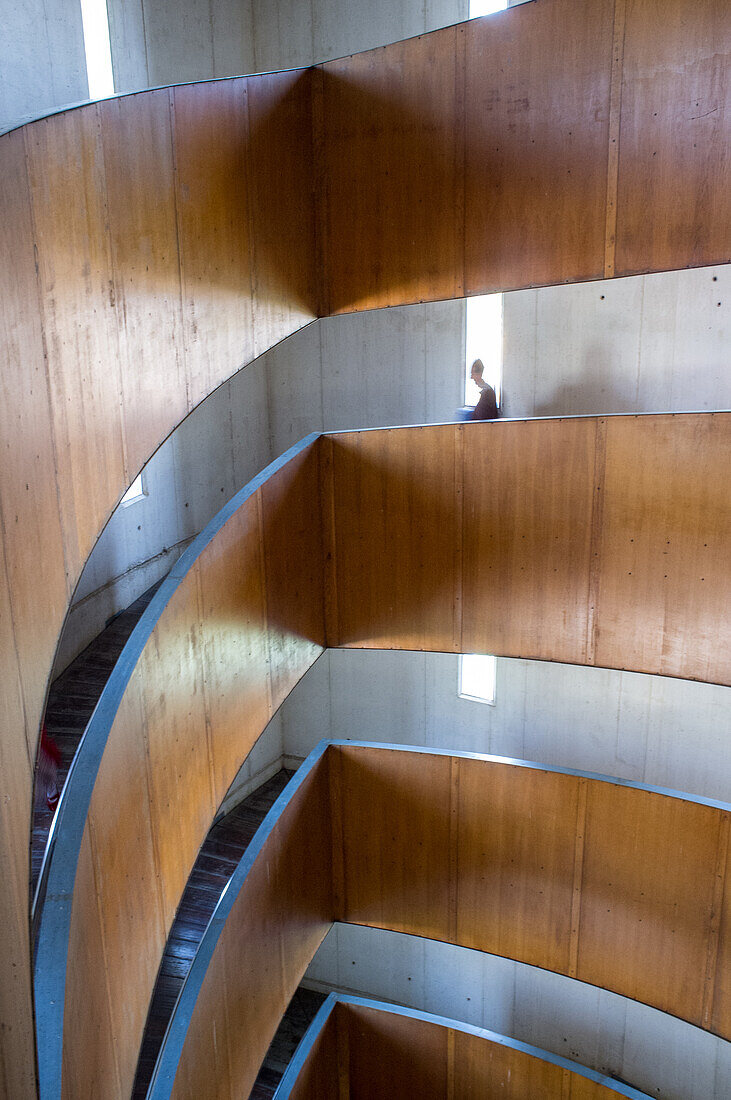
column 486, row 7
column 477, row 673
column 484, row 341
column 98, row 50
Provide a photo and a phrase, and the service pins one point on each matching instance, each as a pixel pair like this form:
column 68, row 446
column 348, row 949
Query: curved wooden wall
column 512, row 537
column 153, row 244
column 590, row 540
column 560, row 142
column 380, row 1050
column 574, row 873
column 230, row 642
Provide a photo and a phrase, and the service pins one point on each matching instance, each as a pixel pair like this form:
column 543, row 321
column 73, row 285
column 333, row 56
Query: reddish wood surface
column 154, row 244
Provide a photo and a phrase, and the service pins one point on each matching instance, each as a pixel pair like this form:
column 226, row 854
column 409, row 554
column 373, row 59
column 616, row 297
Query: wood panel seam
column 615, row 111
column 339, row 911
column 714, row 931
column 206, row 695
column 114, row 281
column 105, row 954
column 46, row 372
column 320, row 191
column 459, row 484
column 156, row 857
column 596, row 539
column 453, row 900
column 578, row 877
column 30, row 755
column 178, row 249
column 326, row 451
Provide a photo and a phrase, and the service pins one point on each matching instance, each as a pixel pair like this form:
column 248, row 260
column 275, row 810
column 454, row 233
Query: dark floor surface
column 71, row 701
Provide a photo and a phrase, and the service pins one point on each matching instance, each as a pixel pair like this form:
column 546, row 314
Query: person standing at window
column 486, row 408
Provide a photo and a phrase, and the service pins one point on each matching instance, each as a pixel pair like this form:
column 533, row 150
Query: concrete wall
column 653, row 1051
column 42, row 61
column 653, row 729
column 161, row 42
column 650, row 343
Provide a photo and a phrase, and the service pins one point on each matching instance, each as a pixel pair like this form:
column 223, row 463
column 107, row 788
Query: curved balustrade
column 397, row 538
column 228, row 634
column 572, row 872
column 384, row 1050
column 154, row 243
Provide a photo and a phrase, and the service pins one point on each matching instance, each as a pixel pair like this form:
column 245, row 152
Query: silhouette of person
column 486, row 408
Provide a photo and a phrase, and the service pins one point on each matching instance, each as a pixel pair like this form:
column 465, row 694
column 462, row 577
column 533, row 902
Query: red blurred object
column 49, row 758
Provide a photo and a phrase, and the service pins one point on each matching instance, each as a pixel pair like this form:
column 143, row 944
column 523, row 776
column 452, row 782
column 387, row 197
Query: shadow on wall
column 416, row 149
column 593, row 392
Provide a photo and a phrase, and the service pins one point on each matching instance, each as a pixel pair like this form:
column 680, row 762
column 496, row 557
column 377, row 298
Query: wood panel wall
column 149, row 249
column 278, row 921
column 381, row 1054
column 152, row 244
column 593, row 540
column 522, row 538
column 613, row 885
column 558, row 142
column 608, row 883
column 229, row 646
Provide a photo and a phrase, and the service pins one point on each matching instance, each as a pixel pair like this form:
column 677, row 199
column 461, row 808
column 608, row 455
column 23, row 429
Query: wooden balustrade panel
column 383, row 1054
column 132, row 286
column 663, row 587
column 392, row 531
column 278, row 921
column 232, row 641
column 591, row 541
column 153, row 244
column 606, row 882
column 553, row 143
column 617, row 886
column 319, row 1077
column 675, row 98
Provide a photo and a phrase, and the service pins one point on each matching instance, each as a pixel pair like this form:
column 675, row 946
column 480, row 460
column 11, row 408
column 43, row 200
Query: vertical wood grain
column 140, row 182
column 282, row 204
column 294, row 576
column 319, row 1075
column 170, row 680
column 396, row 537
column 211, row 134
column 396, row 874
column 17, row 1066
column 713, row 958
column 721, row 1019
column 537, row 124
column 68, row 193
column 516, row 862
column 528, row 499
column 392, row 1055
column 393, row 161
column 647, row 894
column 664, row 555
column 615, row 104
column 673, row 137
column 29, row 502
column 97, row 1072
column 235, row 661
